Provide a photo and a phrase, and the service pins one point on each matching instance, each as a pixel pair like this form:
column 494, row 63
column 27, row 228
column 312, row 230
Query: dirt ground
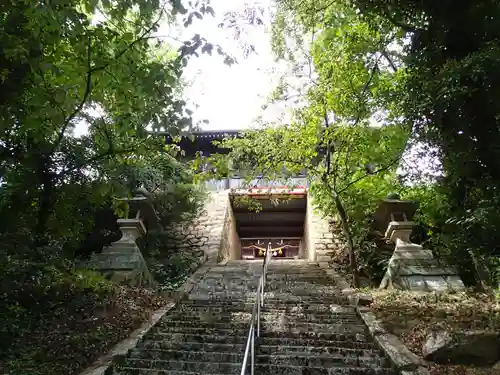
column 67, row 342
column 412, row 316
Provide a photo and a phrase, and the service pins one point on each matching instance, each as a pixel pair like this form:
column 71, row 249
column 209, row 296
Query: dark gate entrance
column 277, row 226
column 252, row 248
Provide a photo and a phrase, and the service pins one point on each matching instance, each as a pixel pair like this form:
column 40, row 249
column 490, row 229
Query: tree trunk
column 353, row 264
column 46, row 203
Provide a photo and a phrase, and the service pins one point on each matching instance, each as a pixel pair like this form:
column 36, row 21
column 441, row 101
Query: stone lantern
column 122, row 261
column 411, row 267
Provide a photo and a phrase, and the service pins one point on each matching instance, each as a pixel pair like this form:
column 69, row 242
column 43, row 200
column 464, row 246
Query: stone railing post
column 411, row 267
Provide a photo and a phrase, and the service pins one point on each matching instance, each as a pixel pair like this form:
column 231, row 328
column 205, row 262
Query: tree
column 351, row 77
column 448, row 67
column 90, row 64
column 358, row 154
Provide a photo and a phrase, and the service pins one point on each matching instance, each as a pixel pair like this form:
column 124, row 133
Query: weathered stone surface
column 202, row 238
column 321, row 240
column 123, row 263
column 400, row 356
column 417, row 371
column 413, row 268
column 473, row 347
column 375, row 326
column 306, row 334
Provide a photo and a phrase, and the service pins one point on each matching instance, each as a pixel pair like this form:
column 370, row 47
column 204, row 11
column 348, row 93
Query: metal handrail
column 254, row 330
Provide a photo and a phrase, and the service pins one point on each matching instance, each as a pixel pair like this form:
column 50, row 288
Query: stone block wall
column 321, row 236
column 211, row 235
column 203, row 237
column 230, row 248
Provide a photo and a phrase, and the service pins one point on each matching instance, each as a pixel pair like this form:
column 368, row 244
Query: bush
column 31, row 294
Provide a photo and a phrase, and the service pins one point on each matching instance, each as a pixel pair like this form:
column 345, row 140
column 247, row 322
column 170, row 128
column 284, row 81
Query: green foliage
column 360, row 170
column 351, row 164
column 171, row 270
column 33, row 293
column 85, row 64
column 67, row 68
column 450, row 91
column 170, row 182
column 435, row 66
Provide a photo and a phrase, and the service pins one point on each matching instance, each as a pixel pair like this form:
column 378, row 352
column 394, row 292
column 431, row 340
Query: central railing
column 254, row 330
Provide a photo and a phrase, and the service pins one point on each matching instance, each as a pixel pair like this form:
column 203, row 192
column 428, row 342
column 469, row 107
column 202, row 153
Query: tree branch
column 142, row 37
column 104, row 155
column 382, row 169
column 50, row 93
column 90, row 71
column 389, row 60
column 86, row 94
column 405, row 27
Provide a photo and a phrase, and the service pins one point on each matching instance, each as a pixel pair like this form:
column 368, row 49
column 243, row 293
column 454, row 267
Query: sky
column 228, row 97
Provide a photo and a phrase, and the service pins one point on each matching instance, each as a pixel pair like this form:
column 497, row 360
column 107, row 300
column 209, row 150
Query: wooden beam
column 270, row 231
column 267, row 217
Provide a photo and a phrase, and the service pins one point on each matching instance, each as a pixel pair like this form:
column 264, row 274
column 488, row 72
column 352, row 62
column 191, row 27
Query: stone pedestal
column 411, row 267
column 123, row 262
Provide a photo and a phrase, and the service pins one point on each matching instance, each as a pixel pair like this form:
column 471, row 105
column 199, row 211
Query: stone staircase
column 307, row 328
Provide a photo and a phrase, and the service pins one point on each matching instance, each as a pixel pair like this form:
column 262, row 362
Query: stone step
column 296, row 296
column 225, row 312
column 194, row 316
column 317, row 351
column 278, row 294
column 237, row 282
column 220, row 347
column 281, row 280
column 240, row 336
column 257, row 266
column 324, row 361
column 266, row 326
column 292, row 359
column 142, row 367
column 187, row 355
column 309, row 309
column 316, row 276
column 307, row 327
column 285, row 308
column 266, row 346
column 274, row 261
column 329, row 336
column 157, row 339
column 284, row 289
column 269, row 298
column 269, row 344
column 271, row 272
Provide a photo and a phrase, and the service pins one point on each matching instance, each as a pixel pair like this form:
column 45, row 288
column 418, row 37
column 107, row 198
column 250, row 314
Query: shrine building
column 278, row 227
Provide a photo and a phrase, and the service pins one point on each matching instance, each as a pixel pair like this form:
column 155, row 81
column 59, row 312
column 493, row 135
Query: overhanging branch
column 381, row 169
column 86, row 94
column 90, row 71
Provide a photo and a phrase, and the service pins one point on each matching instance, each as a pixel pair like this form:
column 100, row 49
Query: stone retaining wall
column 321, row 236
column 214, row 236
column 203, row 237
